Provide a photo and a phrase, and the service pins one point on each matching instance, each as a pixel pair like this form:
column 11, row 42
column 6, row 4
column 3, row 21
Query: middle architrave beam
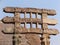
column 21, row 20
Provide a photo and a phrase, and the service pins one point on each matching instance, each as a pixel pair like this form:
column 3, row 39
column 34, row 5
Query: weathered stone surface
column 29, row 30
column 33, row 39
column 21, row 20
column 5, row 39
column 28, row 36
column 34, row 10
column 28, row 39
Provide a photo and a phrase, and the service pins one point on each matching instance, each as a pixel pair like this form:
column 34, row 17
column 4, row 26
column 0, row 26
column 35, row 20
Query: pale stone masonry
column 14, row 31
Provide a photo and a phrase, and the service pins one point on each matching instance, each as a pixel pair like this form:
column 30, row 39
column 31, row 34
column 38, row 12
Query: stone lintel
column 28, row 10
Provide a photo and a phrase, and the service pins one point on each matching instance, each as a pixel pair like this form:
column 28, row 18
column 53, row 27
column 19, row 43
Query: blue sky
column 47, row 4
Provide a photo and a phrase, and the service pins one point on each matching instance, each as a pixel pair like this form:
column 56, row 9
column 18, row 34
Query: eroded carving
column 30, row 36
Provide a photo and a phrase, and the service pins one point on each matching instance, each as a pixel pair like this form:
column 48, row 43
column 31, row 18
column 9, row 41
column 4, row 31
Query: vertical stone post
column 45, row 37
column 37, row 22
column 25, row 17
column 31, row 19
column 16, row 27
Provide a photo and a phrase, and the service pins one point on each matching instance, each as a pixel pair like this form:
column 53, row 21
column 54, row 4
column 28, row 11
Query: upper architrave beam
column 33, row 10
